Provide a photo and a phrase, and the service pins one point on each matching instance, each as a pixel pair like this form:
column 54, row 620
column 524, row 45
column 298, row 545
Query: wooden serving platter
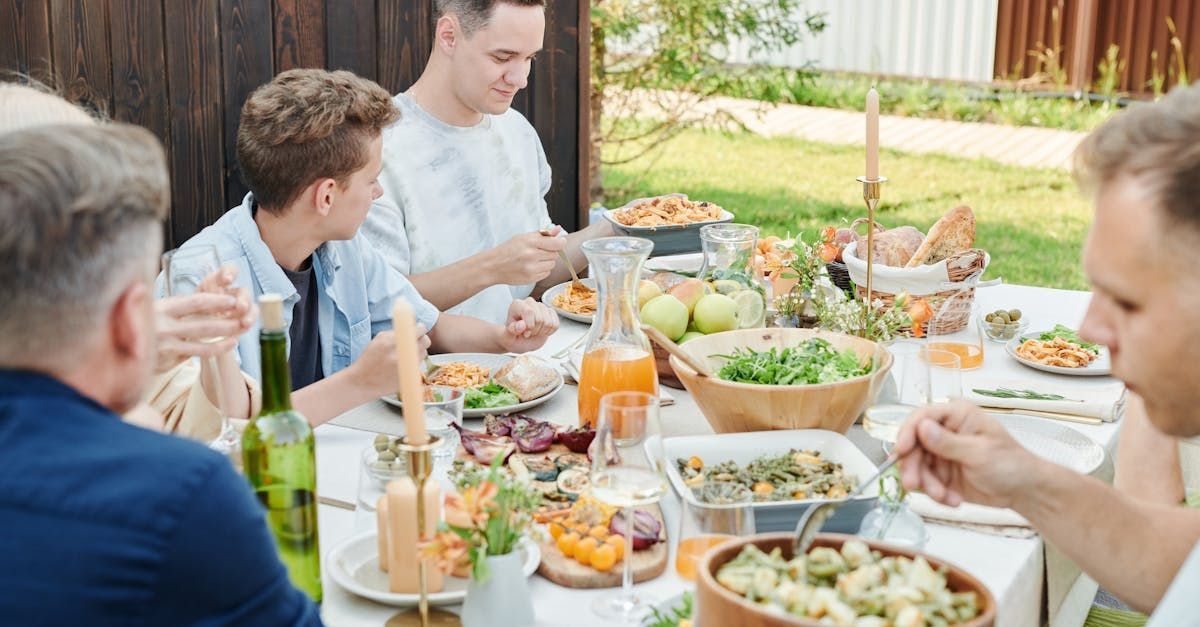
column 565, row 571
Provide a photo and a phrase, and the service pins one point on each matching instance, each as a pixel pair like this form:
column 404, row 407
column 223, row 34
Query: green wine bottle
column 279, row 458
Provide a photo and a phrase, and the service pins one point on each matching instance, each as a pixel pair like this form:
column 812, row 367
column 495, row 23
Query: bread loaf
column 950, row 235
column 893, row 247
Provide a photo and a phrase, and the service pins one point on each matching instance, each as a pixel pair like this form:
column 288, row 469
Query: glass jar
column 728, row 269
column 618, row 356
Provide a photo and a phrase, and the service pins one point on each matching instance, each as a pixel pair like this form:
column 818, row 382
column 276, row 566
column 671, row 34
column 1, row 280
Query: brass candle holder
column 419, row 461
column 871, row 193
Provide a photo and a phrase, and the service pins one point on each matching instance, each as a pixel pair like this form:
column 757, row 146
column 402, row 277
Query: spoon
column 671, row 347
column 815, row 516
column 576, row 284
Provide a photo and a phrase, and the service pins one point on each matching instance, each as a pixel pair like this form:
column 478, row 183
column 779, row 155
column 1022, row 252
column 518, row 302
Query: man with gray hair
column 117, row 519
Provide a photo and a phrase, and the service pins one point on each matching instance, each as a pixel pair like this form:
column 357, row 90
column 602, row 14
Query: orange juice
column 613, row 369
column 690, row 553
column 969, row 355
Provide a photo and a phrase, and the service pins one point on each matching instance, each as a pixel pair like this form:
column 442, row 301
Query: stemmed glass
column 624, row 477
column 184, row 270
column 926, row 376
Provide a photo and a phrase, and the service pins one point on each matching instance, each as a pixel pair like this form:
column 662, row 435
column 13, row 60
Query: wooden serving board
column 565, row 571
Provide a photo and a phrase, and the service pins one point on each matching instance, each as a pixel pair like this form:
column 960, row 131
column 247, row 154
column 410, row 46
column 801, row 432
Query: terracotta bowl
column 736, row 407
column 717, row 605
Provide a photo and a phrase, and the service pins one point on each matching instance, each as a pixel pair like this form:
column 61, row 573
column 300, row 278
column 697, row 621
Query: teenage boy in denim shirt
column 310, row 150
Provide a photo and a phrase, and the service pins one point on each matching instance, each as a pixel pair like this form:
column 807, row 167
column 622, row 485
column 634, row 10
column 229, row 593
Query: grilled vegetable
column 540, row 466
column 578, row 439
column 572, row 482
column 645, row 528
column 572, row 460
column 484, row 448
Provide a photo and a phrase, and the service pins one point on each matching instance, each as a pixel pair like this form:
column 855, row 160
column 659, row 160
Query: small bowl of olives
column 1003, row 325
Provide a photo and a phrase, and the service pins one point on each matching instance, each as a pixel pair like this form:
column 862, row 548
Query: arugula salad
column 812, row 361
column 1070, row 335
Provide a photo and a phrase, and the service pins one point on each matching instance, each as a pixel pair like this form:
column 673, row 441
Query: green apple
column 647, row 291
column 690, row 335
column 715, row 313
column 667, row 314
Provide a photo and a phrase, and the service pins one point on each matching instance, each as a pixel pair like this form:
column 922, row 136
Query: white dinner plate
column 354, row 565
column 492, row 362
column 1054, row 442
column 1101, row 366
column 549, row 295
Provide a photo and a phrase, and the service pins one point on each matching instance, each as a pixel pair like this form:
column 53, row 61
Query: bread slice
column 952, row 234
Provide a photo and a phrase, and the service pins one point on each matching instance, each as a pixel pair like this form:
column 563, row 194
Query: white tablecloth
column 1015, row 570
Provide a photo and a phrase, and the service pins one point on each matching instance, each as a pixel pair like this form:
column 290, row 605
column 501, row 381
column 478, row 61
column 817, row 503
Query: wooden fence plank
column 554, row 94
column 405, row 39
column 194, row 79
column 246, row 52
column 299, row 34
column 25, row 38
column 139, row 65
column 350, row 26
column 83, row 59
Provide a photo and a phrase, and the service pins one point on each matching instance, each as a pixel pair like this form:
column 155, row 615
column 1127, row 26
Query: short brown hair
column 81, row 212
column 307, row 125
column 475, row 14
column 1157, row 143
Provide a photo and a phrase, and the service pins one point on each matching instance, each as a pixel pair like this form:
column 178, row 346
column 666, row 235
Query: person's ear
column 446, row 33
column 131, row 323
column 324, row 195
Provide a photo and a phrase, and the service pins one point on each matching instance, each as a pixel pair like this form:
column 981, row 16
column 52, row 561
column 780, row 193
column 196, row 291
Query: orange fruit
column 567, row 543
column 556, row 530
column 583, row 550
column 603, row 557
column 618, row 545
column 599, row 532
column 582, row 528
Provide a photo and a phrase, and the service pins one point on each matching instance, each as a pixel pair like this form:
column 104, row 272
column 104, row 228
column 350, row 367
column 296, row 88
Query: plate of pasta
column 1061, row 351
column 494, row 384
column 672, row 221
column 573, row 304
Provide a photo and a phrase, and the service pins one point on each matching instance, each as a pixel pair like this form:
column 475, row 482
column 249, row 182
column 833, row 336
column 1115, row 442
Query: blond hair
column 1159, row 144
column 307, row 125
column 81, row 212
column 23, row 105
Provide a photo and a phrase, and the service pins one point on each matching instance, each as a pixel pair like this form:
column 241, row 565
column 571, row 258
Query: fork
column 576, row 284
column 814, row 517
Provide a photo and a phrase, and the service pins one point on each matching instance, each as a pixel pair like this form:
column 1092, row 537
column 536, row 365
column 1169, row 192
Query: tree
column 673, row 54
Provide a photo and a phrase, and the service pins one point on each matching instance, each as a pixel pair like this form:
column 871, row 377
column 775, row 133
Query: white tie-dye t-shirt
column 451, row 192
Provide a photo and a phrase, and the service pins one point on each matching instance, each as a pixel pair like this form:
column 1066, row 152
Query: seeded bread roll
column 952, row 234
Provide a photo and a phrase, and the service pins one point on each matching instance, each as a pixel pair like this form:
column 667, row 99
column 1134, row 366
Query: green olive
column 1015, row 315
column 387, row 456
column 990, row 317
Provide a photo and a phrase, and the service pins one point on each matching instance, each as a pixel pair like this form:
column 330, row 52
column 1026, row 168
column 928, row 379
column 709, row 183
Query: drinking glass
column 381, row 462
column 183, row 271
column 443, row 408
column 718, row 512
column 624, row 477
column 923, row 376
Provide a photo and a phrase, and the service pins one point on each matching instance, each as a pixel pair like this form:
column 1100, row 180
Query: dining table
column 1032, row 582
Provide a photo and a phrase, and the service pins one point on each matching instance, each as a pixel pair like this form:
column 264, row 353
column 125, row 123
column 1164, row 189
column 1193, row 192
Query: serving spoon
column 815, row 516
column 671, row 347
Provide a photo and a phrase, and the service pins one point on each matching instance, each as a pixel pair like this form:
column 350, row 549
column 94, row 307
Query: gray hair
column 27, row 104
column 475, row 14
column 81, row 212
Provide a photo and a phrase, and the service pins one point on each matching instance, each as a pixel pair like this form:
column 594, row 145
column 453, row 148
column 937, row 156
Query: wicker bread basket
column 951, row 304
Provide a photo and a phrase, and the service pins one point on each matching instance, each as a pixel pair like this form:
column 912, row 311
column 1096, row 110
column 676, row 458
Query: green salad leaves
column 491, row 395
column 812, row 361
column 1070, row 335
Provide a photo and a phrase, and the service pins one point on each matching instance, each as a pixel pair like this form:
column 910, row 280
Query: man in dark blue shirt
column 101, row 522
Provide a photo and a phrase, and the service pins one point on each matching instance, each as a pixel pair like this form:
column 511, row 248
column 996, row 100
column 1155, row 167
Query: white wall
column 943, row 39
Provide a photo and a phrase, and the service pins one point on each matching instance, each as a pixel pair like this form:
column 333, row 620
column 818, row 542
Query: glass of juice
column 717, row 511
column 617, row 357
column 953, row 328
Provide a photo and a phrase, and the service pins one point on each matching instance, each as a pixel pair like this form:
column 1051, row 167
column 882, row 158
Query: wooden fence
column 1084, row 31
column 183, row 70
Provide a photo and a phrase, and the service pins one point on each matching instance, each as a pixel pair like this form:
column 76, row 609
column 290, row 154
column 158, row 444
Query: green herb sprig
column 672, row 616
column 1023, row 394
column 1070, row 335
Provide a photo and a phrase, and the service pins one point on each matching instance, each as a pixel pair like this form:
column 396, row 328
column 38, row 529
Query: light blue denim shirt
column 355, row 288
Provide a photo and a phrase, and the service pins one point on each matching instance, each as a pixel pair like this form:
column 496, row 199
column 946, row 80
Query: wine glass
column 183, row 271
column 624, row 477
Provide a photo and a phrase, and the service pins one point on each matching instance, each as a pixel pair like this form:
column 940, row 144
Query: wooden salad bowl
column 736, row 407
column 717, row 605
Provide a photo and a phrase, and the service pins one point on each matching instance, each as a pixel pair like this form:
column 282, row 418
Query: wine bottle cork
column 403, row 552
column 271, row 309
column 381, row 525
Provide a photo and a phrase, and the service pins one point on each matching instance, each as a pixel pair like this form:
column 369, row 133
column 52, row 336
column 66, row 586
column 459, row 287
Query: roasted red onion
column 645, row 528
column 485, row 448
column 577, row 440
column 533, row 436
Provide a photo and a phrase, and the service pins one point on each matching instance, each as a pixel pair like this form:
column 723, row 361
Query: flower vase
column 501, row 601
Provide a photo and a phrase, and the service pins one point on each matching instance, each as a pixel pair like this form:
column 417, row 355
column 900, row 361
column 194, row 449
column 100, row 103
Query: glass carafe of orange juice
column 953, row 327
column 618, row 357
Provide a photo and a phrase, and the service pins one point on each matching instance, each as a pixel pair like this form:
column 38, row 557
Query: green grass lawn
column 1032, row 221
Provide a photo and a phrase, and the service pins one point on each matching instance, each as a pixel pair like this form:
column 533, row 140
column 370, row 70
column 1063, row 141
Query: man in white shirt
column 1143, row 167
column 465, row 176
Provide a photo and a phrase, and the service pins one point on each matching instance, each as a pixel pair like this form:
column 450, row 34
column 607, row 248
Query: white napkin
column 920, row 281
column 997, row 520
column 1104, row 402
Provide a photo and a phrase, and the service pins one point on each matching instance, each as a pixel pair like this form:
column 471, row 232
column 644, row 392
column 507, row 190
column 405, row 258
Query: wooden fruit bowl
column 736, row 407
column 717, row 605
column 666, row 375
